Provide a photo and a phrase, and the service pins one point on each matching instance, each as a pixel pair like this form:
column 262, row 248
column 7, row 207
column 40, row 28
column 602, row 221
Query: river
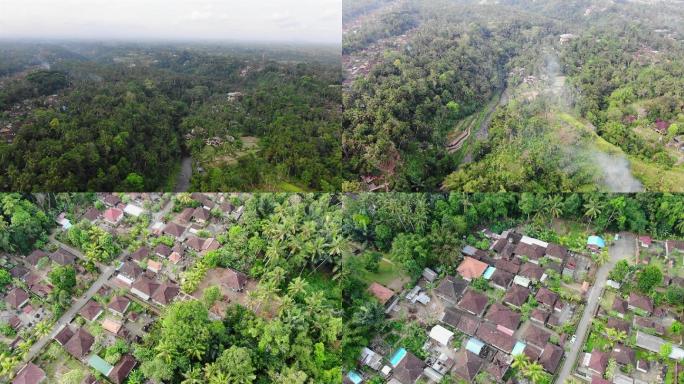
column 183, row 179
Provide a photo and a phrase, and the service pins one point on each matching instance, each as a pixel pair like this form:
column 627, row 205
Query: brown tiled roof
column 409, row 369
column 532, row 352
column 618, row 324
column 468, row 324
column 210, row 244
column 141, row 254
column 122, row 369
column 91, row 214
column 536, row 335
column 174, row 229
column 194, row 242
column 531, row 271
column 507, row 265
column 473, row 302
column 546, row 296
column 623, row 354
column 64, row 335
column 467, row 365
column 79, row 344
column 599, row 380
column 471, row 268
column 382, row 293
column 165, row 293
column 162, row 249
column 501, row 278
column 507, row 252
column 16, row 297
column 532, row 251
column 451, row 317
column 516, row 295
column 551, row 357
column 490, row 335
column 598, row 361
column 451, row 287
column 63, row 257
column 201, row 214
column 185, row 215
column 640, row 301
column 499, row 366
column 18, row 272
column 35, row 256
column 29, row 374
column 119, row 304
column 145, row 285
column 619, row 305
column 499, row 314
column 91, row 310
column 111, row 199
column 557, row 251
column 131, row 270
column 499, row 244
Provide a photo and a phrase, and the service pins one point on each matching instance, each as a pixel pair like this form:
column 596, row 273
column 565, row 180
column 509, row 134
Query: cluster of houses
column 143, row 282
column 637, row 317
column 25, row 300
column 489, row 326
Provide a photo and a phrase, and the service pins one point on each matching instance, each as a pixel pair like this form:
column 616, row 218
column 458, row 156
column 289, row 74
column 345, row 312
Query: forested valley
column 513, row 96
column 117, row 116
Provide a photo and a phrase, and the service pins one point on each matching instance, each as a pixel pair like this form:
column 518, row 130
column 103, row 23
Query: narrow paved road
column 183, row 182
column 69, row 315
column 621, row 249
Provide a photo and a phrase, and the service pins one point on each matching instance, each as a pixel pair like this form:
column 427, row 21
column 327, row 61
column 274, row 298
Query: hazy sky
column 265, row 20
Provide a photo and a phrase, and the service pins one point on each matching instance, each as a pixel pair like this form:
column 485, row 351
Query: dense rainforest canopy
column 514, row 96
column 121, row 117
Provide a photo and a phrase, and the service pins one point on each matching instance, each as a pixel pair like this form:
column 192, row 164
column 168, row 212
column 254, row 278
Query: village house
column 531, row 271
column 133, row 210
column 113, row 216
column 467, row 365
column 63, row 257
column 144, row 287
column 385, row 296
column 623, row 355
column 175, row 230
column 530, row 252
column 409, row 369
column 140, row 254
column 30, row 374
column 640, row 302
column 80, row 343
column 546, row 297
column 506, row 320
column 129, row 272
column 92, row 214
column 471, row 268
column 550, row 357
column 510, row 266
column 17, row 298
column 111, row 200
column 501, row 279
column 165, row 293
column 119, row 305
column 450, row 289
column 473, row 302
column 536, row 336
column 516, row 296
column 597, row 362
column 201, row 215
column 490, row 334
column 556, row 252
column 91, row 311
column 619, row 306
column 122, row 369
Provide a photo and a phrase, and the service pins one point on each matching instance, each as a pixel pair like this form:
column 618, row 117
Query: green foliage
column 648, row 278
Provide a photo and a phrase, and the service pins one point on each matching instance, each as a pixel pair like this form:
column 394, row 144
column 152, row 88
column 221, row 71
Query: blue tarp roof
column 397, row 357
column 596, row 240
column 99, row 364
column 474, row 345
column 518, row 348
column 354, row 377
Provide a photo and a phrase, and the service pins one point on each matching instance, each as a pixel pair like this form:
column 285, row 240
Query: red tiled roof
column 382, row 293
column 471, row 268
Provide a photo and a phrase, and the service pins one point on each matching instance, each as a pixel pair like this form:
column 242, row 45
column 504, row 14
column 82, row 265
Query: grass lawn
column 284, row 186
column 388, row 274
column 55, row 361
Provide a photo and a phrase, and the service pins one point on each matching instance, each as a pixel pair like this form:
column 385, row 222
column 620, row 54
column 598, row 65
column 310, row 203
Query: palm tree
column 297, row 286
column 193, row 376
column 555, row 206
column 534, row 371
column 615, row 336
column 592, row 209
column 601, row 258
column 520, row 361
